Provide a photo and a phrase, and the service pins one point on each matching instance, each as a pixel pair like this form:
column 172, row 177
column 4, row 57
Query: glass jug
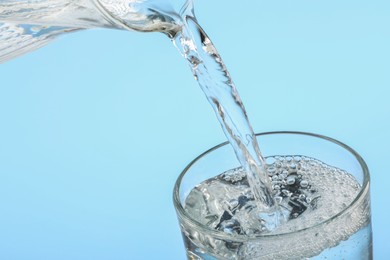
column 26, row 25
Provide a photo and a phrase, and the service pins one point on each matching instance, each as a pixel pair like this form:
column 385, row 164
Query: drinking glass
column 346, row 234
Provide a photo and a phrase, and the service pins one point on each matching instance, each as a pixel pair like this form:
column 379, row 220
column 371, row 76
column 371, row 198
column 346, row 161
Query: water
column 216, row 83
column 27, row 26
column 255, row 201
column 307, row 190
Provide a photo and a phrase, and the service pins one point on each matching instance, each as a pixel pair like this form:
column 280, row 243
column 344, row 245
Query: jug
column 26, row 25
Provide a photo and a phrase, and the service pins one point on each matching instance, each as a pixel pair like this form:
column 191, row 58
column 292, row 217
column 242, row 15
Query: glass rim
column 182, row 213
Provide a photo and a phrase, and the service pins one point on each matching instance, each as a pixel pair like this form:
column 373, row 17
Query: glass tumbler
column 343, row 234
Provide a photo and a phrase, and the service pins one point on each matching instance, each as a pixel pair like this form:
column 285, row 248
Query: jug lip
column 168, row 28
column 111, row 19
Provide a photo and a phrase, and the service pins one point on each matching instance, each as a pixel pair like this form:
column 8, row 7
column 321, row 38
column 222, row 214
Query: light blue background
column 95, row 127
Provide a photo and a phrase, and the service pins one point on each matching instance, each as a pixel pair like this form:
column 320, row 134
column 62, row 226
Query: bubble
column 300, row 194
column 304, row 183
column 233, row 203
column 271, row 171
column 278, row 158
column 276, row 187
column 283, row 175
column 270, row 160
column 234, row 175
column 293, row 166
column 287, row 193
column 297, row 158
column 277, row 193
column 278, row 164
column 290, row 180
column 303, row 167
column 278, row 199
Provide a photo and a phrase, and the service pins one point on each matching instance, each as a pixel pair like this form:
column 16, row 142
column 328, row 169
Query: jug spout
column 26, row 25
column 143, row 15
column 139, row 15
